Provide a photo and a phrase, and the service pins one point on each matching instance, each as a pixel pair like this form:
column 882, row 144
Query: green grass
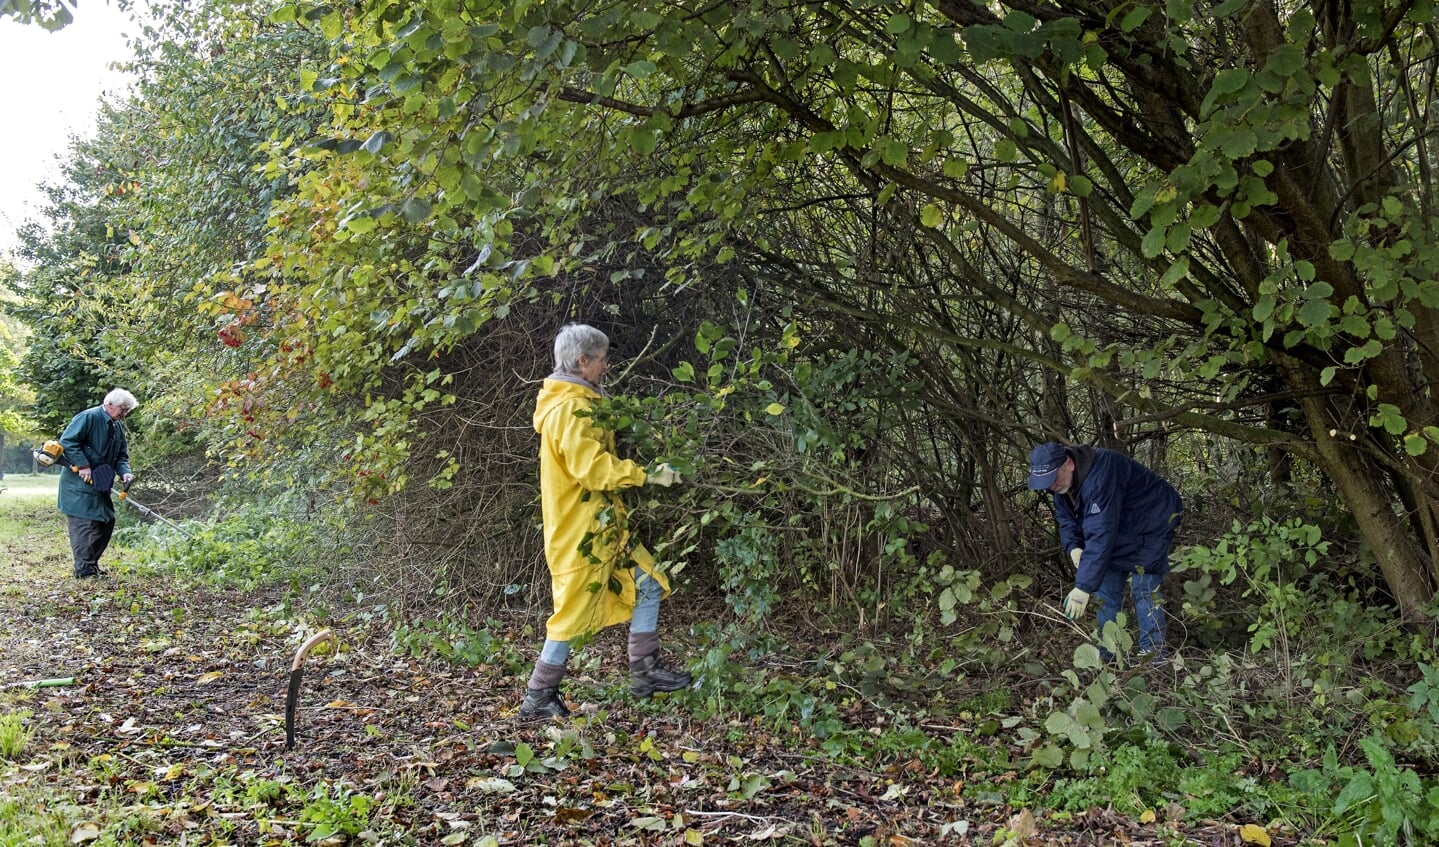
column 26, row 487
column 13, row 734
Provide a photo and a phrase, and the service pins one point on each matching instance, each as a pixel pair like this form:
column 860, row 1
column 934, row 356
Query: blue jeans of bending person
column 1148, row 607
column 646, row 617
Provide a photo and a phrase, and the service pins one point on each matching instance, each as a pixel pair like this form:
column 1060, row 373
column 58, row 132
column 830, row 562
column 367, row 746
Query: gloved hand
column 662, row 475
column 127, row 478
column 1075, row 604
column 1075, row 555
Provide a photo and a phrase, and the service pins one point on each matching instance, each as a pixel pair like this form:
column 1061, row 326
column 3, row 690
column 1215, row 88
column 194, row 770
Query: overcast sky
column 50, row 85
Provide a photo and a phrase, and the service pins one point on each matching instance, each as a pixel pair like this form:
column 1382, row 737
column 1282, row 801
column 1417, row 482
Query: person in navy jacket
column 97, row 454
column 1117, row 520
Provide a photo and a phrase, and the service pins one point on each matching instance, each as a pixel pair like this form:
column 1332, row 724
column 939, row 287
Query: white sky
column 50, row 88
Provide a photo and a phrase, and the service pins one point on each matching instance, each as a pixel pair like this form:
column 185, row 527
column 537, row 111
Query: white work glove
column 1075, row 604
column 1075, row 555
column 663, row 475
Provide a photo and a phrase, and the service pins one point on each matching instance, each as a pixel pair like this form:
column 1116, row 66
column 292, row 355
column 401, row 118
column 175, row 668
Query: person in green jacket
column 96, row 454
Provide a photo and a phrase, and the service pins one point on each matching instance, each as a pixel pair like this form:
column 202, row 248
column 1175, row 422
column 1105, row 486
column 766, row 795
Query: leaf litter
column 173, row 732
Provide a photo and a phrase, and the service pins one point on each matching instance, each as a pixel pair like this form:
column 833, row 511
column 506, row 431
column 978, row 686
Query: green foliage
column 1134, row 778
column 52, row 15
column 14, row 734
column 335, row 809
column 253, row 545
column 457, row 642
column 1381, row 803
column 1268, row 561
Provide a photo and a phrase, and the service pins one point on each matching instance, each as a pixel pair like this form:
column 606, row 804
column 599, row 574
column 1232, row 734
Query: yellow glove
column 1075, row 604
column 1074, row 556
column 663, row 475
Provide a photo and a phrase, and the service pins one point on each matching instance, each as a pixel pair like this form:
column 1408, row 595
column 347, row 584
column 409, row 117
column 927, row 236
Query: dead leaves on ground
column 175, row 729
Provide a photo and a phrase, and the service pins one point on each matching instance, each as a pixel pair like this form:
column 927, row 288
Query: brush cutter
column 151, row 513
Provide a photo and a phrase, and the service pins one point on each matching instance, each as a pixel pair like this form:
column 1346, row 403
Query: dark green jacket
column 93, row 438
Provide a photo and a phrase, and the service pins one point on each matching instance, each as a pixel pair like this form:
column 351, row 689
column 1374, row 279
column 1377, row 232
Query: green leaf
column 415, row 210
column 774, row 409
column 956, row 168
column 1177, row 271
column 1135, row 17
column 1230, row 80
column 1285, row 61
column 1315, row 312
column 685, row 372
column 640, row 68
column 931, row 215
column 375, row 142
column 1087, row 656
column 895, row 153
column 1048, row 756
column 1390, row 418
column 1153, row 243
column 1415, row 444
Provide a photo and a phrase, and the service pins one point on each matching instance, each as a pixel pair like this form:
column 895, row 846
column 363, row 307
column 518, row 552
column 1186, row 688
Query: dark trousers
column 88, row 540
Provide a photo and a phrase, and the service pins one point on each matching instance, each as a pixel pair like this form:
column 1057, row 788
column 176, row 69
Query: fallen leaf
column 1022, row 825
column 1147, row 817
column 207, row 678
column 1254, row 834
column 84, row 832
column 490, row 785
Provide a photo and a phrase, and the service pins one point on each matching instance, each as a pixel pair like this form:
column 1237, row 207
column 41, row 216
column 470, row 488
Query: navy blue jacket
column 1122, row 513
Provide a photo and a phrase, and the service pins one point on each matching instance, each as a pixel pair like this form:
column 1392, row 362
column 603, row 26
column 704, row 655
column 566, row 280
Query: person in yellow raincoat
column 599, row 576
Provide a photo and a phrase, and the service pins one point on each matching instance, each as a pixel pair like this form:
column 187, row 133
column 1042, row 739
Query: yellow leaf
column 694, row 838
column 84, row 832
column 1254, row 834
column 1147, row 817
column 774, row 409
column 210, row 677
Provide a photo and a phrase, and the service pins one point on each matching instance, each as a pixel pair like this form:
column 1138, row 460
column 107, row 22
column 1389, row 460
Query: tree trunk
column 1361, row 485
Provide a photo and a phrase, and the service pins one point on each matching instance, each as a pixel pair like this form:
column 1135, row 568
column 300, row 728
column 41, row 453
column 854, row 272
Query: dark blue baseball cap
column 1044, row 464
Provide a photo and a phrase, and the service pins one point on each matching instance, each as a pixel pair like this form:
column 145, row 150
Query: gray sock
column 546, row 675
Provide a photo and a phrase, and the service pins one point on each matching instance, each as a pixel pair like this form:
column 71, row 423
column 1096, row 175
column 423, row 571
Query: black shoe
column 543, row 703
column 648, row 676
column 95, row 574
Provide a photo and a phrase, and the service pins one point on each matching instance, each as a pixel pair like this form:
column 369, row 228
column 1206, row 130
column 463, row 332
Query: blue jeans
column 1148, row 606
column 646, row 618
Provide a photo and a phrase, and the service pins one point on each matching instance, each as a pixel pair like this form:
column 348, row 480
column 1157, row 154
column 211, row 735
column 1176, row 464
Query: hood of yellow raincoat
column 580, row 481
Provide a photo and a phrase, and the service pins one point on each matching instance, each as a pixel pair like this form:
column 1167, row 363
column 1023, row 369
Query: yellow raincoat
column 580, row 477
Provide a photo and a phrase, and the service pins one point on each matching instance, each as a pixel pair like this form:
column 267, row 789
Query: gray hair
column 121, row 399
column 574, row 341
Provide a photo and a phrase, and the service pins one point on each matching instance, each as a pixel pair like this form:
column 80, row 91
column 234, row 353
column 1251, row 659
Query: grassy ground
column 27, row 487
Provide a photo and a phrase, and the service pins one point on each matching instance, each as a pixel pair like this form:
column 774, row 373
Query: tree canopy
column 856, row 247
